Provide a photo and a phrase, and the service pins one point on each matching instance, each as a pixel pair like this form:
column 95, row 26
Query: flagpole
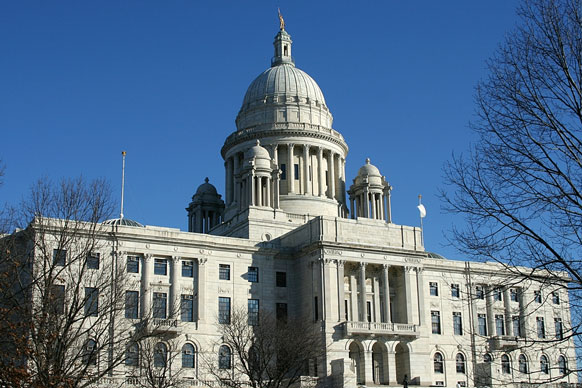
column 421, row 227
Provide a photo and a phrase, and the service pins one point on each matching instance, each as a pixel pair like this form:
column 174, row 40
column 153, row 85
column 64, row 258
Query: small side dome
column 369, row 169
column 370, row 173
column 123, row 222
column 206, row 193
column 257, row 152
column 206, row 188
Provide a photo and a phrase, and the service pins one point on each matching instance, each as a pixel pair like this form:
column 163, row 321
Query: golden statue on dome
column 281, row 20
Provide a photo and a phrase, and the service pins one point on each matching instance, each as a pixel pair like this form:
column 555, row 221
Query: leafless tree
column 61, row 303
column 159, row 363
column 263, row 352
column 520, row 187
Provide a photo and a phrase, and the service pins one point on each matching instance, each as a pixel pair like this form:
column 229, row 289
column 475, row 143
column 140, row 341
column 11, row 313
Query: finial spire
column 206, row 180
column 281, row 20
column 123, row 153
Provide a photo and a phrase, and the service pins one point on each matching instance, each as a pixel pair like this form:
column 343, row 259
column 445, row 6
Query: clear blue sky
column 81, row 81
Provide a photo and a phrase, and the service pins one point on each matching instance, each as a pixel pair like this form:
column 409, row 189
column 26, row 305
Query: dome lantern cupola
column 282, row 45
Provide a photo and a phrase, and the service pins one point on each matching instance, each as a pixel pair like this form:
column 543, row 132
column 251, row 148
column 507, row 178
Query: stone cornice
column 285, row 129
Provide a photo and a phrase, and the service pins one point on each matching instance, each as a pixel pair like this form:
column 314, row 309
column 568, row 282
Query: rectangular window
column 346, row 310
column 516, row 326
column 93, row 261
column 283, row 171
column 133, row 264
column 435, row 318
column 538, row 296
column 224, row 272
column 541, row 327
column 315, row 309
column 131, row 304
column 57, row 299
column 160, row 306
column 253, row 275
column 558, row 328
column 369, row 311
column 281, row 279
column 434, row 288
column 281, row 311
column 187, row 269
column 499, row 324
column 497, row 294
column 513, row 295
column 224, row 310
column 455, row 291
column 457, row 323
column 91, row 301
column 482, row 320
column 555, row 297
column 479, row 292
column 253, row 312
column 296, row 171
column 59, row 257
column 187, row 308
column 160, row 267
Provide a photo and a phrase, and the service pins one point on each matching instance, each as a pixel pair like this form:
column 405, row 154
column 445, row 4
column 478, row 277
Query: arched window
column 439, row 366
column 160, row 355
column 460, row 362
column 188, row 356
column 522, row 364
column 487, row 358
column 89, row 354
column 505, row 364
column 132, row 355
column 562, row 366
column 544, row 365
column 224, row 357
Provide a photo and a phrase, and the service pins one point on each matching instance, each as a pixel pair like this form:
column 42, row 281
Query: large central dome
column 283, row 94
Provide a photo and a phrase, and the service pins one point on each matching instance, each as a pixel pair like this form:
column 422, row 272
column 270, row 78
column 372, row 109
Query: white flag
column 422, row 210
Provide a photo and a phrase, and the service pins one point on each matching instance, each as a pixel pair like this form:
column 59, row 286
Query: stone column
column 389, row 208
column 259, row 182
column 386, row 297
column 368, row 374
column 366, row 203
column 355, row 311
column 411, row 304
column 373, row 206
column 306, row 164
column 251, row 180
column 421, row 296
column 341, row 294
column 377, row 316
column 507, row 305
column 352, row 215
column 174, row 288
column 276, row 191
column 343, row 196
column 201, row 302
column 490, row 316
column 290, row 169
column 236, row 182
column 320, row 170
column 326, row 297
column 268, row 191
column 331, row 173
column 362, row 304
column 146, row 275
column 391, row 368
column 228, row 177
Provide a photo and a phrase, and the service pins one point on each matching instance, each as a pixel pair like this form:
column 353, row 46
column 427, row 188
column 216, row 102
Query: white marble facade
column 285, row 234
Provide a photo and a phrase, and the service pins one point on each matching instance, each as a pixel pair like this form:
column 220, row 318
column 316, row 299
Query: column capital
column 419, row 270
column 120, row 253
column 202, row 260
column 386, row 266
column 290, row 145
column 362, row 264
column 176, row 258
column 320, row 150
column 340, row 263
column 147, row 257
column 409, row 268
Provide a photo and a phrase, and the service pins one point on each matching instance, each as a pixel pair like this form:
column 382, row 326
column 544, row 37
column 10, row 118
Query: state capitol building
column 292, row 235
